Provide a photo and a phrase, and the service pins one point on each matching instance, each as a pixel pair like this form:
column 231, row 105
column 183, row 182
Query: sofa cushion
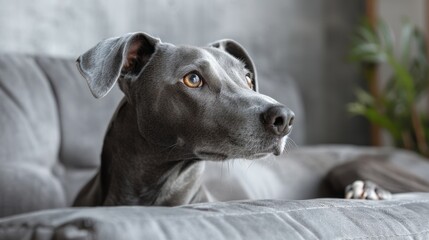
column 263, row 219
column 51, row 132
column 29, row 122
column 300, row 173
column 83, row 122
column 29, row 138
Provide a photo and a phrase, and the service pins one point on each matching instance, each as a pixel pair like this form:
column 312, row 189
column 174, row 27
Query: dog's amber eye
column 193, row 80
column 249, row 81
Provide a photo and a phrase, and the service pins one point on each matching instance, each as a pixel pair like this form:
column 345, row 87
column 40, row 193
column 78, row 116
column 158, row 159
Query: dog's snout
column 278, row 119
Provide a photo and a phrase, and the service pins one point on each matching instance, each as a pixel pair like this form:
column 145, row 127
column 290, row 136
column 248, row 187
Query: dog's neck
column 145, row 174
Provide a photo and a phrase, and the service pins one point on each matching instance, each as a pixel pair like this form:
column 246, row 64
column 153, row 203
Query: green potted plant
column 395, row 108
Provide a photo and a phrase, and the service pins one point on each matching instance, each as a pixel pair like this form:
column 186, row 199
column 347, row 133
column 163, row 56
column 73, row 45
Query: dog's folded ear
column 237, row 51
column 114, row 58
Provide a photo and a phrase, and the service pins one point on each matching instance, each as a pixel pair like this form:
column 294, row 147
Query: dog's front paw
column 366, row 190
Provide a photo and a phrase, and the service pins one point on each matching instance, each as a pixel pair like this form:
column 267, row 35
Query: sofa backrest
column 51, row 132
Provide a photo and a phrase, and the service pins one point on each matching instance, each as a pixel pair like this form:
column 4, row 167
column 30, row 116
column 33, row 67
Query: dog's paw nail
column 371, row 195
column 383, row 194
column 366, row 190
column 349, row 195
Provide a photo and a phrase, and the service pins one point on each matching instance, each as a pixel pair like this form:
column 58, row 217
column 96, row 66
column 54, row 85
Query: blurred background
column 301, row 45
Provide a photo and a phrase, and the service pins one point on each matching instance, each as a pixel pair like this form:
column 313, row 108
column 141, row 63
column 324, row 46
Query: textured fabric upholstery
column 298, row 174
column 264, row 219
column 51, row 131
column 29, row 139
column 83, row 121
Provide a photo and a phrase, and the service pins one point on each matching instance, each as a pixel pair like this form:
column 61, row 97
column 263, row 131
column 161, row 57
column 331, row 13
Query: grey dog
column 182, row 105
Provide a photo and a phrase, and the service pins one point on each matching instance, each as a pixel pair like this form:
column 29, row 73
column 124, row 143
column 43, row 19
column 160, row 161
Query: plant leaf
column 407, row 33
column 386, row 36
column 383, row 121
column 403, row 78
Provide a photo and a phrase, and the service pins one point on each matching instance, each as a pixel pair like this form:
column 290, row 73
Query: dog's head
column 203, row 100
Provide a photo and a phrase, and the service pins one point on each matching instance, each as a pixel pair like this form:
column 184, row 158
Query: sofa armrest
column 263, row 219
column 298, row 174
column 26, row 188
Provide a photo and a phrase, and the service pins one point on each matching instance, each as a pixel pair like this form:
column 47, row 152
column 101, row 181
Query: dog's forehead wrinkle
column 203, row 63
column 227, row 58
column 188, row 57
column 190, row 53
column 232, row 71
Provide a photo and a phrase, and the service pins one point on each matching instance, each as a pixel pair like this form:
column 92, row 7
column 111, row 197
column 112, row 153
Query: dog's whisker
column 268, row 160
column 248, row 166
column 289, row 145
column 251, row 164
column 293, row 143
column 172, row 147
column 221, row 169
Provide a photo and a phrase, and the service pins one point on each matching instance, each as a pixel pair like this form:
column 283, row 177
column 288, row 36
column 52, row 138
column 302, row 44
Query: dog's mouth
column 279, row 146
column 276, row 148
column 214, row 156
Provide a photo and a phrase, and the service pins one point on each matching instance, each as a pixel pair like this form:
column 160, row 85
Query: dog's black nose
column 278, row 119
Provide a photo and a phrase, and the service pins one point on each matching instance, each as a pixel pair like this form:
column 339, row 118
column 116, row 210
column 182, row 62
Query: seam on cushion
column 7, row 228
column 60, row 122
column 270, row 212
column 60, row 133
column 295, row 223
column 369, row 237
column 301, row 209
column 54, row 93
column 264, row 212
column 11, row 97
column 260, row 212
column 88, row 224
column 27, row 226
column 389, row 236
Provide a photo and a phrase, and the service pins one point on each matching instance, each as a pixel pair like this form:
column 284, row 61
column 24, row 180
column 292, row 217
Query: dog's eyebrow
column 233, row 61
column 203, row 64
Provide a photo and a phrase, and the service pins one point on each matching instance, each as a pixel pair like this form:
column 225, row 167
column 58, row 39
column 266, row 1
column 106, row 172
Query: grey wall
column 340, row 78
column 304, row 39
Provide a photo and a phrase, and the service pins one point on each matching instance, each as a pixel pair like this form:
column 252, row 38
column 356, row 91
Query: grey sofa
column 51, row 130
